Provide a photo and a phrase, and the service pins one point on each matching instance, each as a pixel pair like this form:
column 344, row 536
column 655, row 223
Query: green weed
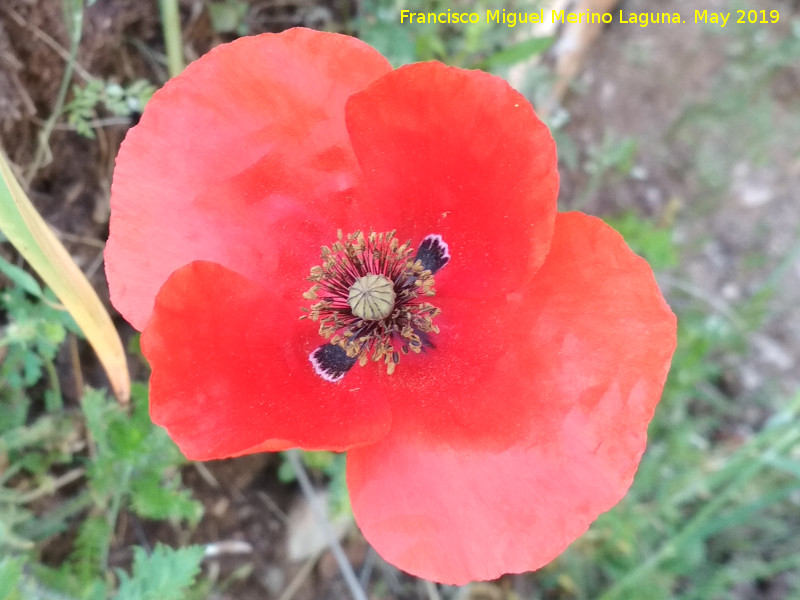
column 121, row 101
column 128, row 465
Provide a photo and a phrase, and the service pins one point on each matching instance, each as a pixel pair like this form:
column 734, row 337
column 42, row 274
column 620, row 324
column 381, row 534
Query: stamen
column 369, row 293
column 433, row 253
column 330, row 362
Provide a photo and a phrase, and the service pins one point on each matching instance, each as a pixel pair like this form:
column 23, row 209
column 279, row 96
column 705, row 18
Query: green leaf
column 21, row 278
column 519, row 52
column 644, row 237
column 228, row 16
column 154, row 499
column 87, row 557
column 11, row 517
column 31, row 236
column 135, row 458
column 163, row 575
column 95, row 409
column 10, row 574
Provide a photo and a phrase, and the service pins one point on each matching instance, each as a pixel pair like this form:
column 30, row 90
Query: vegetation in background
column 481, row 45
column 83, row 111
column 122, row 463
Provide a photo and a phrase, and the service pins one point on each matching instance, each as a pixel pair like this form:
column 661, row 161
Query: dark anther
column 433, row 253
column 331, row 362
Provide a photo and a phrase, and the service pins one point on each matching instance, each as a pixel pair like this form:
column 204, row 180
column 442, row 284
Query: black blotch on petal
column 331, row 362
column 433, row 253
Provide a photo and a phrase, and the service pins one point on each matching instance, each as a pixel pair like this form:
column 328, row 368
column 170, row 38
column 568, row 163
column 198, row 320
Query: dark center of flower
column 370, row 295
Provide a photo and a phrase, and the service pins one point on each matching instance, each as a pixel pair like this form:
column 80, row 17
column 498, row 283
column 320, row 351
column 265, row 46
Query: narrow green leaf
column 31, row 236
column 21, row 278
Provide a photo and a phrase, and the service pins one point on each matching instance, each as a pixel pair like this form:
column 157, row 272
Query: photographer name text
column 642, row 19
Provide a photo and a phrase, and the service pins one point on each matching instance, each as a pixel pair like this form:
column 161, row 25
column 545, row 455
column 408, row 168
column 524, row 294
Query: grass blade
column 34, row 240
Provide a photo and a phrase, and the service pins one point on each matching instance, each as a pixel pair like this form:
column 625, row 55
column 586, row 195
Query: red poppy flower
column 519, row 353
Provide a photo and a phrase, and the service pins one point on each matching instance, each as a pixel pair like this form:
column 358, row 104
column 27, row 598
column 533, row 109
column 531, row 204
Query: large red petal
column 249, row 138
column 467, row 389
column 600, row 339
column 231, row 373
column 462, row 154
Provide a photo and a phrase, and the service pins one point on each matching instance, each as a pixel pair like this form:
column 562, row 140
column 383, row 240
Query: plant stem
column 73, row 16
column 113, row 512
column 173, row 38
column 308, row 491
column 55, row 401
column 33, row 589
column 431, row 591
column 52, row 485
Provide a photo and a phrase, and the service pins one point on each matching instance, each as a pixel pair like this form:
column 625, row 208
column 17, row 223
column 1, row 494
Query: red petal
column 459, row 153
column 248, row 138
column 600, row 339
column 231, row 373
column 452, row 392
